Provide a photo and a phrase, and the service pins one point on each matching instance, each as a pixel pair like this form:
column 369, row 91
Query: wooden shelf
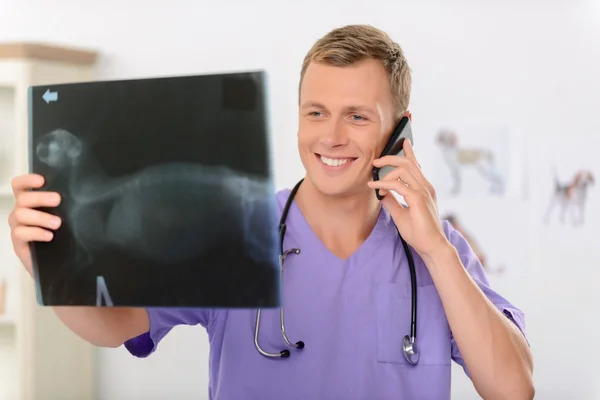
column 5, row 191
column 7, row 321
column 32, row 338
column 47, row 52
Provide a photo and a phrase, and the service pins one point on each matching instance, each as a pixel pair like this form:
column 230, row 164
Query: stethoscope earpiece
column 286, row 353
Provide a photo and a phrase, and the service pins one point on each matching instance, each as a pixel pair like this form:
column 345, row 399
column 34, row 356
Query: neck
column 87, row 181
column 342, row 223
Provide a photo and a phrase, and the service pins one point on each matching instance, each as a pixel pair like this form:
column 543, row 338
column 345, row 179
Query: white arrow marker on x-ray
column 50, row 96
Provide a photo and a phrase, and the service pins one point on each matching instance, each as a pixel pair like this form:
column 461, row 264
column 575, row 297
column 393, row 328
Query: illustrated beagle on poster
column 474, row 245
column 570, row 197
column 457, row 158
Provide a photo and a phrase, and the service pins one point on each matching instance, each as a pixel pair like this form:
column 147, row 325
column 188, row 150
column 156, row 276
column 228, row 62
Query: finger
column 390, row 161
column 27, row 199
column 425, row 184
column 430, row 189
column 395, row 186
column 25, row 182
column 404, row 162
column 35, row 218
column 396, row 173
column 409, row 152
column 398, row 163
column 26, row 234
column 418, row 171
column 407, row 177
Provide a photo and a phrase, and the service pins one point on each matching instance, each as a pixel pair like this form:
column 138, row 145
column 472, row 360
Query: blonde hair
column 354, row 43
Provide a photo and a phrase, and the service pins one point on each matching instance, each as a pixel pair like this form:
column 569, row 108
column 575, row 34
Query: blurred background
column 519, row 79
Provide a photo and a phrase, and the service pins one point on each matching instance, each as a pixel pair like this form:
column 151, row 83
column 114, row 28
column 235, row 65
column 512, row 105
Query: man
column 347, row 293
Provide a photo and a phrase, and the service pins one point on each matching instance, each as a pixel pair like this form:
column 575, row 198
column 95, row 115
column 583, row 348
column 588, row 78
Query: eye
column 314, row 114
column 357, row 117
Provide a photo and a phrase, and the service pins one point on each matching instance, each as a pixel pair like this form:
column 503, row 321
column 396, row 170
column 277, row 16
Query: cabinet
column 39, row 357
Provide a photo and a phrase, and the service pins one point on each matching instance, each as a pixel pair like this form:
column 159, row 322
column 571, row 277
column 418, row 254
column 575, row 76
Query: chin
column 337, row 186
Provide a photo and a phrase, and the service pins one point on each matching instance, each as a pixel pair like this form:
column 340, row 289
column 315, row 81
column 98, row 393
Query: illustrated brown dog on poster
column 457, row 158
column 570, row 197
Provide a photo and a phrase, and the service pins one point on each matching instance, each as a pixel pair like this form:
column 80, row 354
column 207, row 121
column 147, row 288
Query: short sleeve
column 162, row 320
column 475, row 269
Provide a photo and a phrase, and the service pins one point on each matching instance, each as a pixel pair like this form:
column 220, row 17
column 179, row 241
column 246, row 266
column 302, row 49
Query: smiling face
column 346, row 116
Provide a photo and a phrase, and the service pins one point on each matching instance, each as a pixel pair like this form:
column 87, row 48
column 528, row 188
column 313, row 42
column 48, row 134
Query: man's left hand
column 419, row 222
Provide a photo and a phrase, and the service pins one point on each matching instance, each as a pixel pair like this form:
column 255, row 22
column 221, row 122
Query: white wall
column 533, row 64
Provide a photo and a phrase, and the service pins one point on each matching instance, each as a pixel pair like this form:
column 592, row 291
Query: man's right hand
column 101, row 326
column 27, row 224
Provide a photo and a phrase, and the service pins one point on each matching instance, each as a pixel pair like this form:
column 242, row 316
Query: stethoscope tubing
column 409, row 342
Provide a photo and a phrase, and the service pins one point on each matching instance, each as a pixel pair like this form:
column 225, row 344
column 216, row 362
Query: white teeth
column 334, row 162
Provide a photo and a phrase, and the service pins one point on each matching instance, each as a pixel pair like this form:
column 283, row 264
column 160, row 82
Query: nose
column 334, row 134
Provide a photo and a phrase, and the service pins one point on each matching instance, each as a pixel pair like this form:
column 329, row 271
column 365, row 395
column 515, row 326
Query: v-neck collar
column 306, row 236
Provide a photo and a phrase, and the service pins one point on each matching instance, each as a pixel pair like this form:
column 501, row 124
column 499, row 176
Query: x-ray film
column 167, row 192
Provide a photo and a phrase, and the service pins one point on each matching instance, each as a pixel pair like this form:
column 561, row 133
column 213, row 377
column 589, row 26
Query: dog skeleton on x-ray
column 571, row 197
column 457, row 158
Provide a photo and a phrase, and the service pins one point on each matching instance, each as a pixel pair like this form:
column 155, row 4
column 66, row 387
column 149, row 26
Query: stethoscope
column 409, row 347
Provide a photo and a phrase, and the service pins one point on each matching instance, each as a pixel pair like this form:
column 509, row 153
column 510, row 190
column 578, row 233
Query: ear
column 408, row 114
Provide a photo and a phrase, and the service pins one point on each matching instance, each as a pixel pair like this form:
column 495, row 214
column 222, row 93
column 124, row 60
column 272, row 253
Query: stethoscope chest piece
column 409, row 348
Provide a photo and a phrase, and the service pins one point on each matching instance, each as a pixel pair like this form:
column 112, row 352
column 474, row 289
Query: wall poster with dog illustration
column 477, row 160
column 563, row 176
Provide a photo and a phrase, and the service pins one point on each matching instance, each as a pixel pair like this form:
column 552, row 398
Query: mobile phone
column 393, row 147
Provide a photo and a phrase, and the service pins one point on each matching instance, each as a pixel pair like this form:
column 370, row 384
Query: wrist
column 442, row 254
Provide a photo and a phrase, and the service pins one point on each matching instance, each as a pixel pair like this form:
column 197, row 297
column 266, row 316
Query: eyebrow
column 312, row 104
column 354, row 108
column 362, row 108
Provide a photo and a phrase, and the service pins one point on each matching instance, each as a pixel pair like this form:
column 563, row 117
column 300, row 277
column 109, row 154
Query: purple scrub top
column 352, row 314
